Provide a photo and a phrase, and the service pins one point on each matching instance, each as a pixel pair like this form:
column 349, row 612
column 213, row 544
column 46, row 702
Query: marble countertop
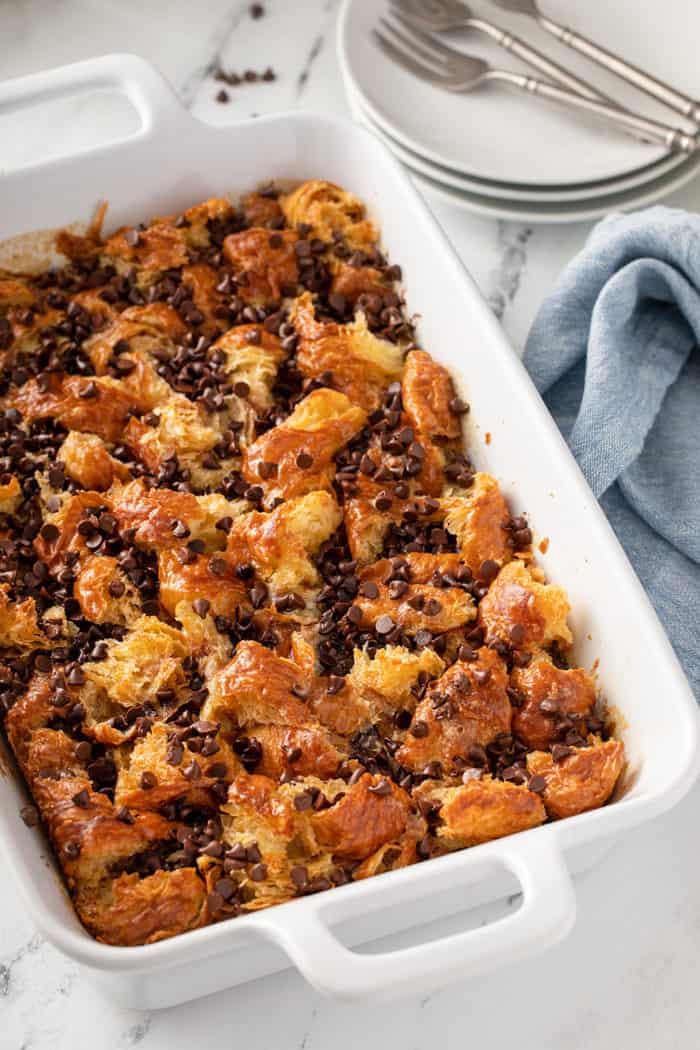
column 628, row 974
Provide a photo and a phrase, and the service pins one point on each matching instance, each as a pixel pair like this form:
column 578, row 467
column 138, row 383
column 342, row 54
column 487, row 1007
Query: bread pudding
column 265, row 629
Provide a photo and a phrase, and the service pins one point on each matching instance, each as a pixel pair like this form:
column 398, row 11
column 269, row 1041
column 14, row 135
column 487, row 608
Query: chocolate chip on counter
column 222, row 96
column 256, row 11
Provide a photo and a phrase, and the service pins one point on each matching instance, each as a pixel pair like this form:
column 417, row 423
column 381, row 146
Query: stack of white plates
column 503, row 153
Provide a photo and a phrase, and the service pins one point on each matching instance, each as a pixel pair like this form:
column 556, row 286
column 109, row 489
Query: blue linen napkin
column 614, row 351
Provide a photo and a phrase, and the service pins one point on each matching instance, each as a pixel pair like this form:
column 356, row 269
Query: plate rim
column 488, row 207
column 510, row 191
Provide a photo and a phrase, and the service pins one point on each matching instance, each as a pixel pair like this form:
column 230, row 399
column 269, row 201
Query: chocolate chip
column 72, row 850
column 419, row 729
column 369, row 589
column 241, row 388
column 560, row 752
column 148, row 781
column 517, row 634
column 258, row 872
column 381, row 788
column 537, row 783
column 49, row 532
column 116, row 588
column 75, row 677
column 215, row 901
column 488, row 570
column 384, row 625
column 304, row 460
column 201, row 606
column 174, row 753
column 82, row 799
column 29, row 815
column 303, row 801
column 225, row 887
column 482, row 676
column 299, row 876
column 217, row 566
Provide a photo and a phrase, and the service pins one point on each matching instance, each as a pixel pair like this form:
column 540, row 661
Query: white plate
column 498, row 131
column 532, row 211
column 504, row 190
column 581, row 211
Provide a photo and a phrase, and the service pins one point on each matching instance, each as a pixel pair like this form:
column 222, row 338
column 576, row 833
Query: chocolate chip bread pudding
column 265, row 630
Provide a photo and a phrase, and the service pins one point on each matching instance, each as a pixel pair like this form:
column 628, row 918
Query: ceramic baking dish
column 170, row 162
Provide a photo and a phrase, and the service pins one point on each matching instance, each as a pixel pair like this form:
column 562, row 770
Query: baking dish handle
column 154, row 100
column 546, row 914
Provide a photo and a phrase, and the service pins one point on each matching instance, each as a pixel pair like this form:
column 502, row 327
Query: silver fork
column 432, row 61
column 644, row 81
column 443, row 16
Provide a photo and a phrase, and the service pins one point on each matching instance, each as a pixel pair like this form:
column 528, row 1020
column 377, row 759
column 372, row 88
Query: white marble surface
column 627, row 976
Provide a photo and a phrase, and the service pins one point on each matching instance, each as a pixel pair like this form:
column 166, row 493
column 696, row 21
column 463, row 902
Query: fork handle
column 644, row 81
column 675, row 139
column 538, row 61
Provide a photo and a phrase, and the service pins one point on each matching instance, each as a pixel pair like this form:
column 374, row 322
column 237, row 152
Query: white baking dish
column 173, row 161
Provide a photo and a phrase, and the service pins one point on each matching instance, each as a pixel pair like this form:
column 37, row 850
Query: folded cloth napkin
column 614, row 351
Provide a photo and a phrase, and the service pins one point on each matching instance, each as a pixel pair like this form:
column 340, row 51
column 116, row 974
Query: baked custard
column 265, row 630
